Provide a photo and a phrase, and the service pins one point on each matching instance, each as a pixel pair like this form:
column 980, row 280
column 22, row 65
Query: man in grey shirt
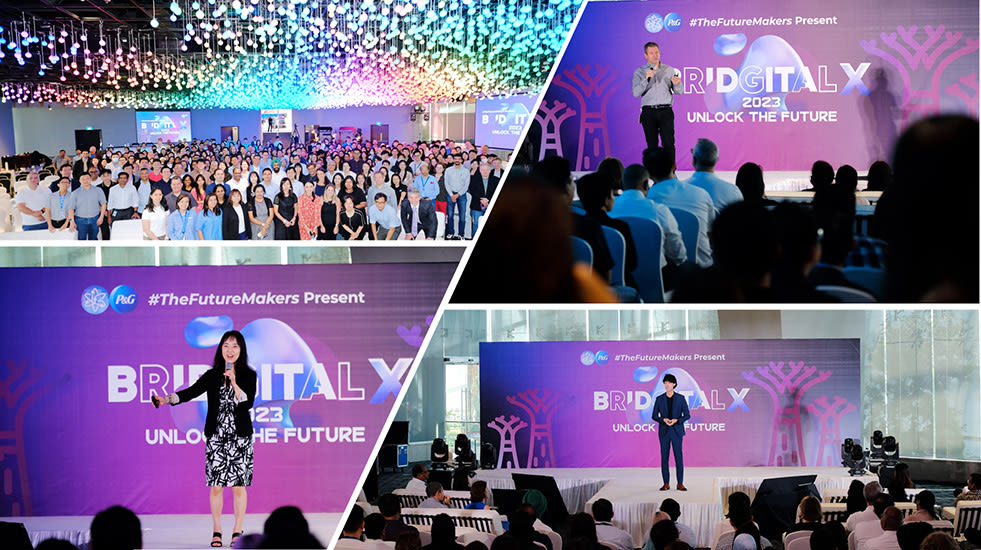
column 436, row 497
column 655, row 84
column 86, row 209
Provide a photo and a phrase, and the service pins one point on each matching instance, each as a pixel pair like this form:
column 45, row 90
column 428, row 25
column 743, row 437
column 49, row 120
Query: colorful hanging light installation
column 297, row 54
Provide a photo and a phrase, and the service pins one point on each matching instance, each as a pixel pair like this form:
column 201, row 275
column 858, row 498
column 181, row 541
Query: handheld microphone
column 228, row 367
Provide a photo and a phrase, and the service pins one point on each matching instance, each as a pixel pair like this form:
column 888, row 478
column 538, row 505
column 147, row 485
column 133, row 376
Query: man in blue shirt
column 385, row 223
column 426, row 184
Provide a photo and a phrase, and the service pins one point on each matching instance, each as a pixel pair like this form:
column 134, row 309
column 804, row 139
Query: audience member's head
column 476, row 545
column 911, row 535
column 419, row 471
column 659, row 163
column 408, row 540
column 612, row 168
column 602, row 510
column 671, row 507
column 374, row 524
column 810, row 510
column 595, row 192
column 749, row 180
column 856, row 499
column 830, row 536
column 389, row 505
column 636, row 177
column 891, row 519
column 705, row 154
column 116, row 528
column 478, row 491
column 939, row 541
column 433, row 488
column 822, row 174
column 926, row 500
column 555, row 172
column 881, row 502
column 678, row 545
column 582, row 526
column 871, row 490
column 664, row 533
column 55, row 544
column 940, row 150
column 354, row 525
column 537, row 500
column 443, row 531
column 880, row 176
column 521, row 524
column 847, row 177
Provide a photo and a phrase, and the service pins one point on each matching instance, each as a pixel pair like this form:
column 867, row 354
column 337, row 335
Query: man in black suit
column 482, row 187
column 418, row 216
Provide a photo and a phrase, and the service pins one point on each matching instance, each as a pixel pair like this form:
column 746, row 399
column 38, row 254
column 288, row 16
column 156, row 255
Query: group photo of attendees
column 206, row 190
column 633, row 231
column 425, row 515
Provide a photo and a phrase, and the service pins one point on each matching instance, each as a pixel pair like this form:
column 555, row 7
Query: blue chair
column 870, row 278
column 617, row 244
column 577, row 210
column 618, row 249
column 581, row 251
column 648, row 240
column 689, row 226
column 847, row 294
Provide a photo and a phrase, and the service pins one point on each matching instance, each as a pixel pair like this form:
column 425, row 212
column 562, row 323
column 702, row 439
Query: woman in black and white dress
column 230, row 385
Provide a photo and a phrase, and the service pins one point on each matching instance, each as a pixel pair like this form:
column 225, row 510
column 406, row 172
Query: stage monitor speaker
column 775, row 505
column 88, row 138
column 556, row 514
column 16, row 536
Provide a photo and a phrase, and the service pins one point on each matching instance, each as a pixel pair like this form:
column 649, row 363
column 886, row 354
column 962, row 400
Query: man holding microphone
column 655, row 84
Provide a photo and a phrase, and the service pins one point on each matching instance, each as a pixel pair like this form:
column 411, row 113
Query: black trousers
column 658, row 122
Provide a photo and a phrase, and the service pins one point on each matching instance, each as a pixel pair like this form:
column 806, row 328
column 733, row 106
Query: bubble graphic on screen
column 654, row 22
column 645, row 374
column 769, row 51
column 730, row 44
column 205, row 332
column 686, row 384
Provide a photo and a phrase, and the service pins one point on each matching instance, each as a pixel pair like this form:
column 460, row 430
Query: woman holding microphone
column 230, row 385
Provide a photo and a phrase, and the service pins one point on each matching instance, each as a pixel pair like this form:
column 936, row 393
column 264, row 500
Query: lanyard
column 61, row 199
column 184, row 220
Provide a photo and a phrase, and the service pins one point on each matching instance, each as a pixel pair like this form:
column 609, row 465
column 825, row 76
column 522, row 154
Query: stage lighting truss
column 318, row 54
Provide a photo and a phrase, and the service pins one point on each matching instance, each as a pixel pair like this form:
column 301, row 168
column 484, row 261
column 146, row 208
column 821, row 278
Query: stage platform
column 635, row 495
column 166, row 530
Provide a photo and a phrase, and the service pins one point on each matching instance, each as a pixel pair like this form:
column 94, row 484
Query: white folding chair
column 126, row 230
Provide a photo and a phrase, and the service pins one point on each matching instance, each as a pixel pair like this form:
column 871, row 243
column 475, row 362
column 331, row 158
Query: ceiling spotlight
column 154, row 23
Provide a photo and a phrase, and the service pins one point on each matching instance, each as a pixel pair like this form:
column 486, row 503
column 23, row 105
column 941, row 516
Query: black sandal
column 235, row 537
column 216, row 543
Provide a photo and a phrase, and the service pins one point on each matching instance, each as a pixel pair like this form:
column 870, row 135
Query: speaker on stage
column 16, row 536
column 775, row 506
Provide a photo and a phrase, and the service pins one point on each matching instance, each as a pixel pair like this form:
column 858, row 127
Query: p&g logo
column 123, row 299
column 602, row 357
column 672, row 22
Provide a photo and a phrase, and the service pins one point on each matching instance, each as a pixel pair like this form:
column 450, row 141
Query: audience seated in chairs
column 609, row 534
column 808, row 516
column 444, row 534
column 391, row 509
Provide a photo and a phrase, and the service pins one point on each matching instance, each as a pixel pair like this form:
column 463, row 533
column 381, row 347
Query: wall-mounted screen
column 500, row 120
column 275, row 121
column 164, row 125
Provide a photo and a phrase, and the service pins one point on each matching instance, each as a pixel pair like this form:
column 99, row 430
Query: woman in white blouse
column 155, row 217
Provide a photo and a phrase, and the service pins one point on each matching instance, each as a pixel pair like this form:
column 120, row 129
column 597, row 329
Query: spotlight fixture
column 853, row 457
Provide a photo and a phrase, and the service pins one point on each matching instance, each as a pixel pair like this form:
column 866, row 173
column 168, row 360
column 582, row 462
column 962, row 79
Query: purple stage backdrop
column 776, row 82
column 588, row 404
column 85, row 348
